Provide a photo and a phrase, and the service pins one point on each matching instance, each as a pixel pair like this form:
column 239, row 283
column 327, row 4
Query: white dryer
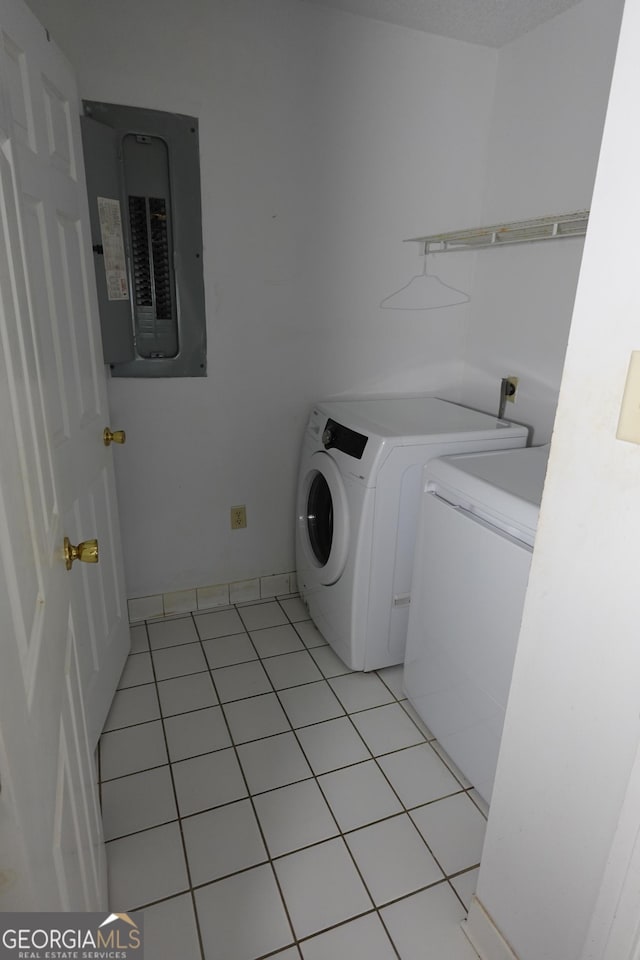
column 476, row 531
column 357, row 509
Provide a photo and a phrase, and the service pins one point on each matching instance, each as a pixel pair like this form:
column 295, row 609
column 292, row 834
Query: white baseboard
column 484, row 936
column 210, row 597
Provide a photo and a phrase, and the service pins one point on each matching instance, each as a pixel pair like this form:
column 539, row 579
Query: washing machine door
column 323, row 516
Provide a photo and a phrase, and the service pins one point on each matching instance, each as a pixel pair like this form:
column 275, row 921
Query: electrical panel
column 143, row 180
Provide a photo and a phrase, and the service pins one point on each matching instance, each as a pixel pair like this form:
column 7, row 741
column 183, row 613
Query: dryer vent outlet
column 238, row 517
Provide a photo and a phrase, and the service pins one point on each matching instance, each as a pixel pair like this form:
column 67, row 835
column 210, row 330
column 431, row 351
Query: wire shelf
column 501, row 234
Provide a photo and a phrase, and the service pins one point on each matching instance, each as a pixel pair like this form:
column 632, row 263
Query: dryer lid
column 504, row 486
column 412, row 419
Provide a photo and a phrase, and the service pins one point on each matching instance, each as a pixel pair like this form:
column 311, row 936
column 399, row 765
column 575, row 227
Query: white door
column 63, row 634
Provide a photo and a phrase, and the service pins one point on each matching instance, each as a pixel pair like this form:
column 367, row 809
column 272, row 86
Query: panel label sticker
column 113, row 247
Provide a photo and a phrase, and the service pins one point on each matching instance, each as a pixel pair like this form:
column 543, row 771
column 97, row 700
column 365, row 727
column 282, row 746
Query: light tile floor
column 260, row 799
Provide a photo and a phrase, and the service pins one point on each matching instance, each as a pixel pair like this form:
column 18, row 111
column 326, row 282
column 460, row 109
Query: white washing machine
column 476, row 530
column 357, row 509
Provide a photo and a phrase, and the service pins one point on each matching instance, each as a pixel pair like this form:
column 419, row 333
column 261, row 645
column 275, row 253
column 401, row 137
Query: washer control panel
column 343, row 438
column 334, row 435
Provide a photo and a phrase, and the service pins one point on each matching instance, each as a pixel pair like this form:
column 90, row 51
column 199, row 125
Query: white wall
column 551, row 95
column 572, row 725
column 325, row 140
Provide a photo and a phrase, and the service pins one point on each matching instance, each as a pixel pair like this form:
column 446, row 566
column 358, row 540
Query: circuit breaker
column 143, row 180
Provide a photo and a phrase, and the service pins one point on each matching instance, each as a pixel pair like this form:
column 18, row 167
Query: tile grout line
column 327, row 680
column 314, row 778
column 262, row 863
column 258, row 659
column 175, row 799
column 405, row 809
column 335, row 820
column 341, row 834
column 293, row 783
column 408, row 810
column 249, row 794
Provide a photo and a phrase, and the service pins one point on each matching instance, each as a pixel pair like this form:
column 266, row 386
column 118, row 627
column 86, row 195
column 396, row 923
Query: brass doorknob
column 86, row 552
column 115, row 436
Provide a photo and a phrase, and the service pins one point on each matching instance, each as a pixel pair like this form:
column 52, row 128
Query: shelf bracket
column 502, row 234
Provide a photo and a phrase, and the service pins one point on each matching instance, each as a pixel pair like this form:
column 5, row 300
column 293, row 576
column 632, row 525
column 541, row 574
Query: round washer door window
column 326, row 517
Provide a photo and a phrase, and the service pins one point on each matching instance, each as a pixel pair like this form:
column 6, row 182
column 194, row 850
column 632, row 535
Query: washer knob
column 327, row 436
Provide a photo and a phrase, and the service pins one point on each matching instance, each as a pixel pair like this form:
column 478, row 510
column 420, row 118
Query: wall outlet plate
column 238, row 517
column 511, row 389
column 629, row 422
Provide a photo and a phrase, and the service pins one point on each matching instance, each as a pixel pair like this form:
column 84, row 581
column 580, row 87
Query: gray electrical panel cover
column 143, row 180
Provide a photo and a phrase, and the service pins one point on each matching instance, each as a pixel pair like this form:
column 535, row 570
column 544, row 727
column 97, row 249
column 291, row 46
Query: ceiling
column 489, row 22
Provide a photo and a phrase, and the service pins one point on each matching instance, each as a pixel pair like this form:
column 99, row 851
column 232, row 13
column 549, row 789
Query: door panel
column 65, row 634
column 46, row 328
column 23, row 432
column 61, row 287
column 76, row 822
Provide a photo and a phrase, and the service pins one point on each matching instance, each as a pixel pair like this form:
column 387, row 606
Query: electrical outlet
column 511, row 389
column 238, row 517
